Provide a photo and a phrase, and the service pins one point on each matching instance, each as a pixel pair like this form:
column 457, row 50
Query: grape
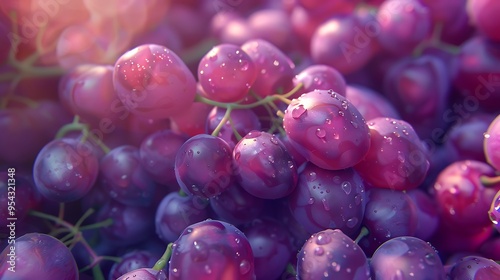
column 153, row 82
column 38, row 256
column 131, row 261
column 319, row 76
column 65, row 170
column 177, row 212
column 157, row 154
column 241, row 120
column 329, row 199
column 192, row 121
column 131, row 224
column 494, row 211
column 396, row 158
column 463, row 201
column 369, row 103
column 271, row 247
column 427, row 214
column 272, row 25
column 444, row 10
column 211, row 250
column 124, row 179
column 263, row 167
column 449, row 240
column 492, row 143
column 406, row 257
column 236, row 31
column 274, row 68
column 483, row 14
column 327, row 129
column 402, row 25
column 226, row 73
column 475, row 267
column 388, row 214
column 144, row 274
column 331, row 7
column 342, row 43
column 330, row 254
column 236, row 206
column 203, row 166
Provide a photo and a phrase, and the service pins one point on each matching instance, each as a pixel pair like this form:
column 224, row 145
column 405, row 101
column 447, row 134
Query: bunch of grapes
column 259, row 140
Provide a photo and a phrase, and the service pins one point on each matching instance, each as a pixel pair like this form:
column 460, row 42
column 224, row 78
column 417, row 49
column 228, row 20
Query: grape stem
column 364, row 232
column 76, row 125
column 489, row 181
column 160, row 264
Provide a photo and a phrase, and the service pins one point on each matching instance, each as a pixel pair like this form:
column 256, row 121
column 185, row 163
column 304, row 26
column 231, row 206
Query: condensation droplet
column 346, row 187
column 245, row 267
column 298, row 111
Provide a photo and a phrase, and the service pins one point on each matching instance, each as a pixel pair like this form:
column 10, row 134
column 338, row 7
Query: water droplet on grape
column 325, row 204
column 341, row 113
column 346, row 187
column 320, row 133
column 245, row 267
column 311, row 200
column 208, row 270
column 298, row 111
column 270, row 159
column 319, row 251
column 354, row 124
column 311, row 176
column 352, row 222
column 69, row 166
column 274, row 140
column 336, row 266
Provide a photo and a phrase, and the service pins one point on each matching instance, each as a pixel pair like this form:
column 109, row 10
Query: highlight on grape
column 260, row 140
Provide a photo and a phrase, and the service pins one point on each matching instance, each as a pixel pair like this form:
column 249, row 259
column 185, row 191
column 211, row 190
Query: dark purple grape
column 427, row 214
column 492, row 143
column 388, row 214
column 369, row 103
column 124, row 179
column 241, row 120
column 271, row 247
column 131, row 261
column 263, row 166
column 157, row 153
column 153, row 82
column 131, row 224
column 397, row 159
column 327, row 129
column 332, row 199
column 448, row 239
column 406, row 257
column 236, row 206
column 463, row 201
column 37, row 256
column 212, row 250
column 319, row 76
column 203, row 166
column 144, row 274
column 330, row 254
column 177, row 212
column 65, row 169
column 475, row 267
column 226, row 73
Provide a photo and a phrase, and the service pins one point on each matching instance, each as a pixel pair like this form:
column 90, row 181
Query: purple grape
column 192, row 121
column 388, row 214
column 475, row 267
column 482, row 15
column 369, row 103
column 65, row 170
column 241, row 120
column 492, row 143
column 272, row 25
column 403, row 24
column 327, row 129
column 226, row 73
column 203, row 166
column 153, row 82
column 427, row 214
column 463, row 201
column 211, row 250
column 274, row 68
column 406, row 257
column 236, row 206
column 263, row 166
column 131, row 261
column 330, row 254
column 37, row 256
column 124, row 179
column 157, row 153
column 131, row 224
column 320, row 76
column 463, row 139
column 332, row 199
column 396, row 159
column 177, row 212
column 271, row 247
column 144, row 274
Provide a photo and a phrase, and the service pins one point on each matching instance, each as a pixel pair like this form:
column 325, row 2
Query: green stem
column 489, row 181
column 101, row 224
column 222, row 122
column 97, row 273
column 364, row 232
column 160, row 264
column 235, row 132
column 84, row 217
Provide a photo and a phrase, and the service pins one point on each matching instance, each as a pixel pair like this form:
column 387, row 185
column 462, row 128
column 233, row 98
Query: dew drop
column 319, row 251
column 354, row 124
column 245, row 267
column 190, row 153
column 270, row 159
column 208, row 270
column 325, row 204
column 430, row 259
column 336, row 136
column 69, row 166
column 346, row 187
column 341, row 113
column 311, row 176
column 321, row 133
column 344, row 104
column 311, row 200
column 352, row 222
column 328, row 121
column 213, row 57
column 298, row 111
column 244, row 66
column 274, row 140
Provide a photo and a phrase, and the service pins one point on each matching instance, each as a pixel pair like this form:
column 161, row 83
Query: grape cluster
column 259, row 140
